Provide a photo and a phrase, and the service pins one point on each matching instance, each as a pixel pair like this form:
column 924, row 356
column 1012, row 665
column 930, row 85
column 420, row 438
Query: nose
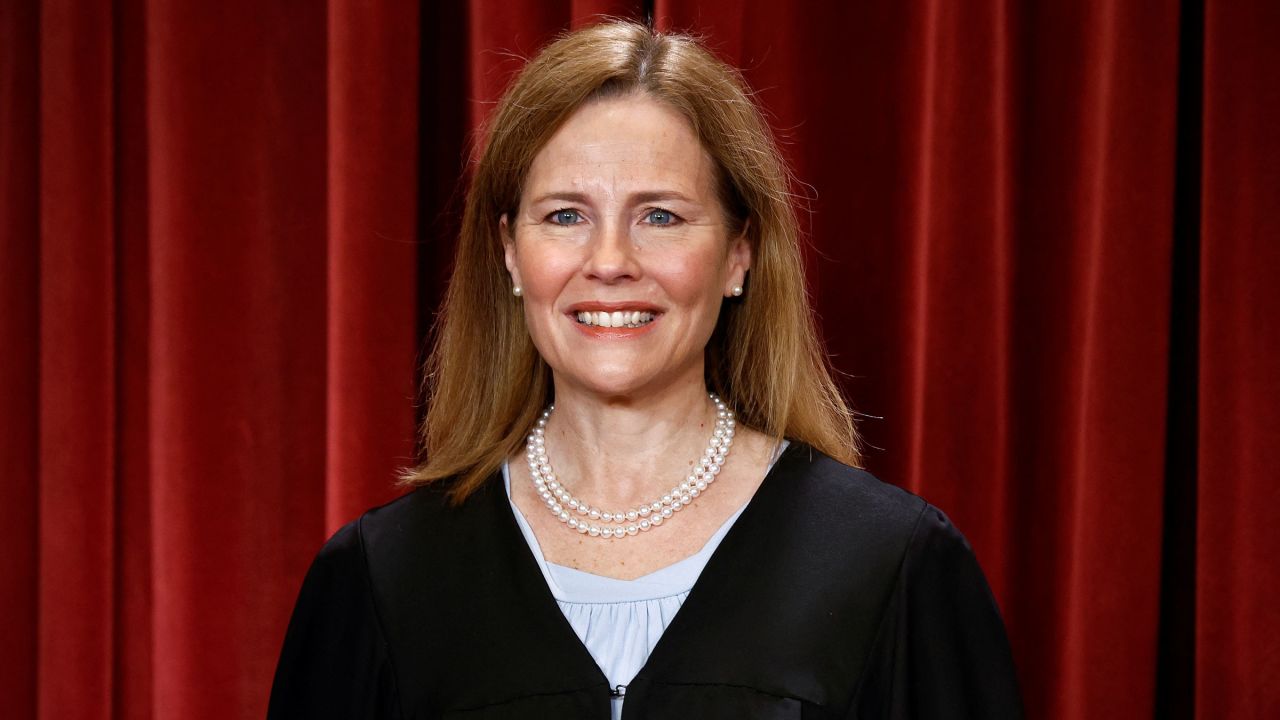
column 611, row 254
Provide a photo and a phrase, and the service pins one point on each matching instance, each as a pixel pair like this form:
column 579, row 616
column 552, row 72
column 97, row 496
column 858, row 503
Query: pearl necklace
column 583, row 517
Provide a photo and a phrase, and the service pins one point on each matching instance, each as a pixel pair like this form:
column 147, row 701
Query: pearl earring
column 737, row 291
column 515, row 290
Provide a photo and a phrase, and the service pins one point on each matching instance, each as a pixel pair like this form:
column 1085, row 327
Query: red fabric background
column 1043, row 247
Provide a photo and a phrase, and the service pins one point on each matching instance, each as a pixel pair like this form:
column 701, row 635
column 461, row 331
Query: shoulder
column 423, row 522
column 846, row 498
column 418, row 536
column 852, row 515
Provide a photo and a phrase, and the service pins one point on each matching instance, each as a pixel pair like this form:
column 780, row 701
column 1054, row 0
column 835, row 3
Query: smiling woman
column 620, row 216
column 628, row 299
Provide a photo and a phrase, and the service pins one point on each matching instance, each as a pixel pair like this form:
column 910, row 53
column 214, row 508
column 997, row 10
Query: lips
column 615, row 319
column 624, row 318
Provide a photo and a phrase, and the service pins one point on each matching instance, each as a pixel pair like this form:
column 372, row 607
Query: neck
column 619, row 451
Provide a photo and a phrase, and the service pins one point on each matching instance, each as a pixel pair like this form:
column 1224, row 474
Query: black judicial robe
column 832, row 596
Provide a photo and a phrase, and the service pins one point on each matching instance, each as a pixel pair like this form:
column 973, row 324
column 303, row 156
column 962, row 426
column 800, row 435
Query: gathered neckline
column 571, row 584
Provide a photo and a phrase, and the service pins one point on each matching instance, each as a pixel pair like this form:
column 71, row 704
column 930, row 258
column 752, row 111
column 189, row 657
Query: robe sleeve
column 335, row 661
column 941, row 650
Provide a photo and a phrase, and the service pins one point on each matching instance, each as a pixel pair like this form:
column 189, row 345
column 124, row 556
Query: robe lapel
column 693, row 649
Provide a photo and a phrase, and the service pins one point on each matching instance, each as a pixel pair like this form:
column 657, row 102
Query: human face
column 620, row 215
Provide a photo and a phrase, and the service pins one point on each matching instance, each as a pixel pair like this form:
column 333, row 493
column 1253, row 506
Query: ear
column 739, row 261
column 509, row 248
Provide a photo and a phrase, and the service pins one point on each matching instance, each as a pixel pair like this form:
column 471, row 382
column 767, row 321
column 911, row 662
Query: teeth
column 615, row 319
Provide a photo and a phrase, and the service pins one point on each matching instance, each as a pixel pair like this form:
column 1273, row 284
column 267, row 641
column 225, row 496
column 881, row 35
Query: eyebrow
column 646, row 196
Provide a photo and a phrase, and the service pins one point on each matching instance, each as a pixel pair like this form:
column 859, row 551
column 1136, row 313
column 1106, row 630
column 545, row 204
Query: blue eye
column 566, row 217
column 660, row 217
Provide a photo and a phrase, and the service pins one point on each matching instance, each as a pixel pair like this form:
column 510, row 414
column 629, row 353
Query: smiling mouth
column 617, row 319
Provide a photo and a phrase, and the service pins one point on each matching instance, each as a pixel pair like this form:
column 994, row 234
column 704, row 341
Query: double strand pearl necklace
column 590, row 520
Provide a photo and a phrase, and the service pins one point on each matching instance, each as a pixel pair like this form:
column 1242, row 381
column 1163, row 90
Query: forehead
column 624, row 144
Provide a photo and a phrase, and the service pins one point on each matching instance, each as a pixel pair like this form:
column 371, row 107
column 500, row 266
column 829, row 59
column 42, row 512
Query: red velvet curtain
column 1043, row 247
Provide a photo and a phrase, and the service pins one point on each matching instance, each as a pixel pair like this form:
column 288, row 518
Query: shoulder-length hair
column 485, row 383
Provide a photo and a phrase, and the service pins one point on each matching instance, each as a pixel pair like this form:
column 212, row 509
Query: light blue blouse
column 620, row 621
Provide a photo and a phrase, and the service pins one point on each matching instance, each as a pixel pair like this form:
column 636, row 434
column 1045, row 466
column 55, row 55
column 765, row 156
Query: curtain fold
column 237, row 171
column 76, row 373
column 1237, row 661
column 20, row 368
column 371, row 276
column 225, row 228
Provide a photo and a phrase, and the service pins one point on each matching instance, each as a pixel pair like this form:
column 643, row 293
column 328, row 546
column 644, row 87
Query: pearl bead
column 570, row 510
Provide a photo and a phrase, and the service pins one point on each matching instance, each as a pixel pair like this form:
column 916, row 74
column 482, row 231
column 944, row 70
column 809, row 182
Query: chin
column 609, row 385
column 606, row 380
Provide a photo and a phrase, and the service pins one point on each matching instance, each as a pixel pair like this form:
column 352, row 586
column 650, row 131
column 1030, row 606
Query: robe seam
column 737, row 686
column 526, row 696
column 894, row 598
column 377, row 617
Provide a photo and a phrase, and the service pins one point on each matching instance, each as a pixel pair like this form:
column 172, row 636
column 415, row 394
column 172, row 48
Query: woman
column 639, row 488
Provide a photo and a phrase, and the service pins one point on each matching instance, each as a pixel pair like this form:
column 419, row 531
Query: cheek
column 545, row 274
column 695, row 278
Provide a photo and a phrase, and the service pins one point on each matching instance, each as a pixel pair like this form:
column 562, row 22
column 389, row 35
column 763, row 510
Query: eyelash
column 674, row 218
column 551, row 216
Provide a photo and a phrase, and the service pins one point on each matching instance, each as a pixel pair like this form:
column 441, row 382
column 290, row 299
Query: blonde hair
column 485, row 383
